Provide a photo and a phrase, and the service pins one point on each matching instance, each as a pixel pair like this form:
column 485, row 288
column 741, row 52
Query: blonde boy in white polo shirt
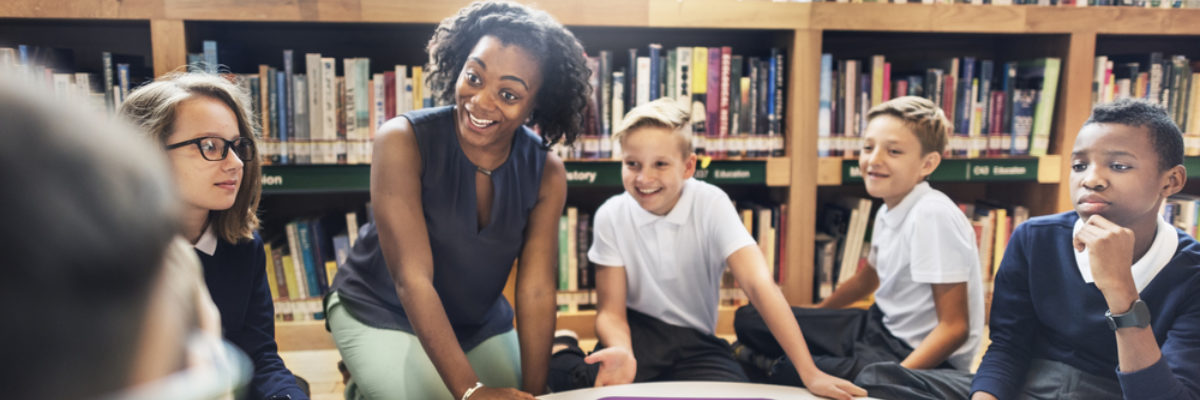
column 923, row 265
column 661, row 248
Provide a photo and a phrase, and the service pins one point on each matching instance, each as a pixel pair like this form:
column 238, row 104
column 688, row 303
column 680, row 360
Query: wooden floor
column 319, row 368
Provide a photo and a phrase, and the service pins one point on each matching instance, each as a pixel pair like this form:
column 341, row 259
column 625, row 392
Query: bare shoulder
column 395, row 144
column 396, row 131
column 554, row 174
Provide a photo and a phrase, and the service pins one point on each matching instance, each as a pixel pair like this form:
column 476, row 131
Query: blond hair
column 920, row 115
column 664, row 113
column 154, row 108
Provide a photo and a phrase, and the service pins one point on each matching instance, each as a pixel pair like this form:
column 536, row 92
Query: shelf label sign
column 589, row 173
column 1009, row 171
column 958, row 170
column 585, row 177
column 734, row 172
column 316, row 178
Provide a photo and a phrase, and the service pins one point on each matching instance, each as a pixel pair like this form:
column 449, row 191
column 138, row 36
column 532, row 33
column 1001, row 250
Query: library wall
column 912, row 37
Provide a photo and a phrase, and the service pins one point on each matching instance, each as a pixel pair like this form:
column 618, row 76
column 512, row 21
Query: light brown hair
column 921, row 116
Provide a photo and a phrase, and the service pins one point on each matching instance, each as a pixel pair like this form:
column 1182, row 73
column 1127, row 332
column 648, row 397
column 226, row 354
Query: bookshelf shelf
column 583, row 321
column 299, row 179
column 303, row 335
column 292, row 179
column 1016, row 169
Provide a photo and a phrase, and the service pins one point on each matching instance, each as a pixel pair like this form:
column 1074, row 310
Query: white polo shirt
column 673, row 263
column 926, row 239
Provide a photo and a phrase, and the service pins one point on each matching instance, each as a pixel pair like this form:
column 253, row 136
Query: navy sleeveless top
column 470, row 266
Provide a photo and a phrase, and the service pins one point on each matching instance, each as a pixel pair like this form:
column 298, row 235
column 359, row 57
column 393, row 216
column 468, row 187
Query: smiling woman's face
column 496, row 91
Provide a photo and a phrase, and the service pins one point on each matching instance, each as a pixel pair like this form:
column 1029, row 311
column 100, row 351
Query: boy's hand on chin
column 1110, row 251
column 617, row 366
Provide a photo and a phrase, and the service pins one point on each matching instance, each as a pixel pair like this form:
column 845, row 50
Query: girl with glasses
column 203, row 122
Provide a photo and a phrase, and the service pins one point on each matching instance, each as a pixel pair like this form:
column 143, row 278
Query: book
column 1047, row 70
column 1022, row 120
column 723, row 79
column 287, row 113
column 825, row 112
column 329, row 111
column 654, row 80
column 315, row 82
column 852, row 249
column 299, row 117
column 272, row 283
column 699, row 96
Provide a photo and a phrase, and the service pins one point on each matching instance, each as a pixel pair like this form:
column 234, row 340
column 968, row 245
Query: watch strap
column 1137, row 316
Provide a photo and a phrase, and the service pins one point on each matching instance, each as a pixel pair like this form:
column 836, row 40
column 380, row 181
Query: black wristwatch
column 1138, row 315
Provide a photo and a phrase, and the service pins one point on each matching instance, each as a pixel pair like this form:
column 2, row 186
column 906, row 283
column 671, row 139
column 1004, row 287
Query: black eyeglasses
column 216, row 149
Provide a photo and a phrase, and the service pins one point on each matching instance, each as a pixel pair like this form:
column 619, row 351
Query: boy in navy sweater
column 1103, row 301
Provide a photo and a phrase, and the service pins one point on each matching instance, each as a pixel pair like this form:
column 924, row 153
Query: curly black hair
column 1164, row 134
column 561, row 104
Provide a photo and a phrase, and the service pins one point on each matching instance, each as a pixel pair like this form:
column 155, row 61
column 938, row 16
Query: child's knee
column 880, row 373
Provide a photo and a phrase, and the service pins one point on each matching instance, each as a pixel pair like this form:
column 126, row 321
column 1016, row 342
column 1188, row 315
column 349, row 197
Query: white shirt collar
column 679, row 213
column 1145, row 269
column 207, row 242
column 893, row 217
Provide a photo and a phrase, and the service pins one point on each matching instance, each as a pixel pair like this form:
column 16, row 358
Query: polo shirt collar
column 893, row 217
column 1166, row 241
column 678, row 215
column 207, row 242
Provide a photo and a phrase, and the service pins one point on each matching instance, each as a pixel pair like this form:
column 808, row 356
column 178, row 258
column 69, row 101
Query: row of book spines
column 729, row 95
column 299, row 310
column 317, row 89
column 993, row 226
column 106, row 91
column 841, row 243
column 1183, row 212
column 304, row 262
column 1008, row 117
column 767, row 224
column 575, row 272
column 328, row 119
column 597, row 147
column 1173, row 82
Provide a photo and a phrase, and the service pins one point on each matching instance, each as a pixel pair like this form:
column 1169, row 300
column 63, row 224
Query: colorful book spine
column 1044, row 114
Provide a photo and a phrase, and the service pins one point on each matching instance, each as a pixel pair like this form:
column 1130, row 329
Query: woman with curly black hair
column 460, row 192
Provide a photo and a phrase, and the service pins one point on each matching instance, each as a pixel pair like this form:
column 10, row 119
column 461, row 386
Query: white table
column 690, row 390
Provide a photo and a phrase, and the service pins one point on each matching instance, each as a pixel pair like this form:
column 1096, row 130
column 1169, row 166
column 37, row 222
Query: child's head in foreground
column 1127, row 158
column 657, row 157
column 902, row 144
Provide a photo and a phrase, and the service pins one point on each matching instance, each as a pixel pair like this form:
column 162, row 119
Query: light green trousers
column 388, row 364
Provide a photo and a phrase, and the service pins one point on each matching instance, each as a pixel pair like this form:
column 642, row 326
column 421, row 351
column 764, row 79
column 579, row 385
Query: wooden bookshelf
column 1076, row 35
